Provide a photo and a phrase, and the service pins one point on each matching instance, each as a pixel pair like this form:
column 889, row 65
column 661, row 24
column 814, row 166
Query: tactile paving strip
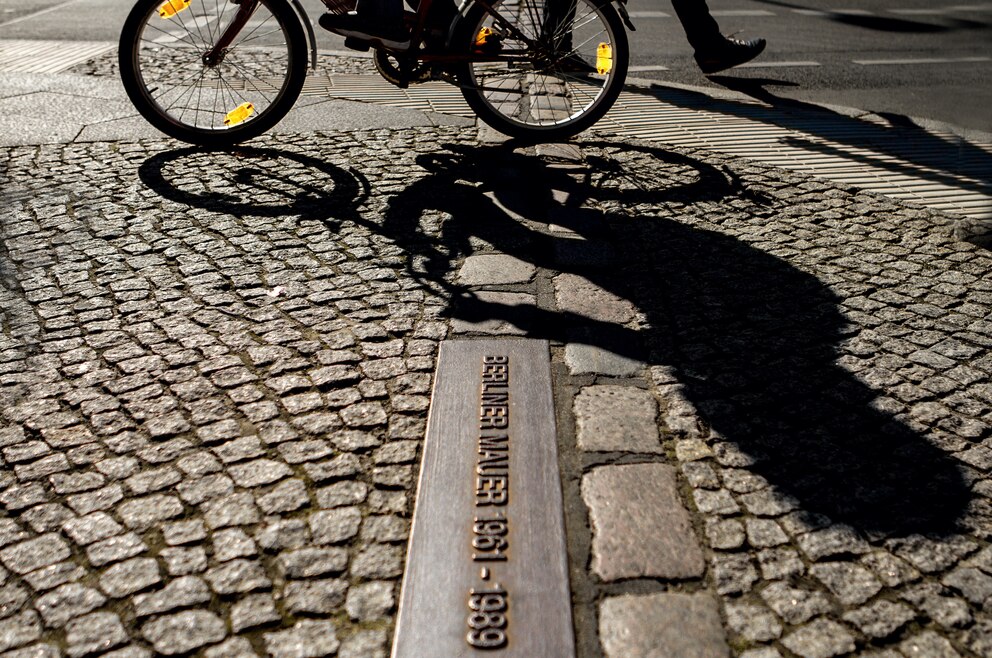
column 426, row 97
column 936, row 169
column 36, row 56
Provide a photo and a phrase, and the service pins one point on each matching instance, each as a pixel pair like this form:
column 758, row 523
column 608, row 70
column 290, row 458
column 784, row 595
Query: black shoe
column 727, row 53
column 354, row 26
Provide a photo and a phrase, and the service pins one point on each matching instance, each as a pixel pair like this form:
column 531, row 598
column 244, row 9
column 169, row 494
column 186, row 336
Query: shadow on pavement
column 753, row 339
column 899, row 148
column 262, row 182
column 880, row 23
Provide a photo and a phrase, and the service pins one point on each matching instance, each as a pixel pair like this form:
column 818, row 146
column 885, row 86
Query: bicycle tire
column 169, row 60
column 518, row 113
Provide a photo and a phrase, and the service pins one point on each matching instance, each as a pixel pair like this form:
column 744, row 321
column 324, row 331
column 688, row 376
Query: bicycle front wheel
column 192, row 91
column 549, row 70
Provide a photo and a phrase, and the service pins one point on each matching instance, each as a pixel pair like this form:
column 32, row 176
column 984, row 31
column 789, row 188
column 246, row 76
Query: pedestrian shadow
column 752, row 339
column 897, row 148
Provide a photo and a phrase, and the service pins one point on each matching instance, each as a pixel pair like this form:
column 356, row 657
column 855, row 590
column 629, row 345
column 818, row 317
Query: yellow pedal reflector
column 604, row 58
column 172, row 7
column 484, row 34
column 239, row 114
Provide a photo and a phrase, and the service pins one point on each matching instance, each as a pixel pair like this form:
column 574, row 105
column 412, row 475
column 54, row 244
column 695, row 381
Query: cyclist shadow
column 751, row 338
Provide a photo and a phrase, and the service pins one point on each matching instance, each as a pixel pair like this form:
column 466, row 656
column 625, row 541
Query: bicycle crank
column 400, row 71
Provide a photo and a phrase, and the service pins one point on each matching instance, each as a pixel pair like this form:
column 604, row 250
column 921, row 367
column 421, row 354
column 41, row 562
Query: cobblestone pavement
column 215, row 368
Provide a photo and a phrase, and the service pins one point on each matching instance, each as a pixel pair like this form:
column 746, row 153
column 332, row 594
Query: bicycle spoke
column 594, row 36
column 180, row 85
column 248, row 79
column 255, row 29
column 182, row 21
column 234, row 92
column 574, row 24
column 207, row 15
column 259, row 36
column 183, row 95
column 214, row 114
column 237, row 93
column 167, row 33
column 549, row 90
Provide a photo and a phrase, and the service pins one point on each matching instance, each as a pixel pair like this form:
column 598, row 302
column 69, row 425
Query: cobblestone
column 648, row 534
column 824, row 393
column 114, row 549
column 820, row 639
column 184, row 631
column 237, row 576
column 655, row 625
column 18, row 630
column 309, row 562
column 66, row 603
column 179, row 593
column 253, row 611
column 880, row 619
column 306, row 639
column 94, row 633
column 129, row 577
column 34, row 553
column 617, row 418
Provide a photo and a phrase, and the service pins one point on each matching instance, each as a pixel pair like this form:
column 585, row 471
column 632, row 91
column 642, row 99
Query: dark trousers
column 700, row 28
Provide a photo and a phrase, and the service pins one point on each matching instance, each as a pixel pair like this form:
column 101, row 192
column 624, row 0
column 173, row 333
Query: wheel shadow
column 262, row 182
column 752, row 339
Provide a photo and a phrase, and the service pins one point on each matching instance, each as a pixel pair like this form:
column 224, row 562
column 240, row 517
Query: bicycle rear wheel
column 174, row 86
column 554, row 79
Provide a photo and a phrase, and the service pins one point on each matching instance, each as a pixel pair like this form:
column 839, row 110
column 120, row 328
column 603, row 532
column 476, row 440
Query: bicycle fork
column 246, row 8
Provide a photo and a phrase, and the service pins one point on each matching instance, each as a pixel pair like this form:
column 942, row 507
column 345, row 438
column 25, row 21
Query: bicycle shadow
column 752, row 338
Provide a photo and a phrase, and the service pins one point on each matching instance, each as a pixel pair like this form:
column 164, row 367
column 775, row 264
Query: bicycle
column 218, row 72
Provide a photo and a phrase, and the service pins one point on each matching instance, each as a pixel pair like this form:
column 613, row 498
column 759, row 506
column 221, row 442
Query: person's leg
column 714, row 52
column 373, row 20
column 700, row 27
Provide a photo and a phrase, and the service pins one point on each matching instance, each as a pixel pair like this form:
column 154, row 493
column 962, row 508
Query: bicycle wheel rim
column 229, row 97
column 561, row 87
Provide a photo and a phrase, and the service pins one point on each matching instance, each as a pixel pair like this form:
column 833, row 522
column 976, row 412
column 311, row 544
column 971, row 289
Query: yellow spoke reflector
column 484, row 34
column 172, row 7
column 604, row 59
column 239, row 114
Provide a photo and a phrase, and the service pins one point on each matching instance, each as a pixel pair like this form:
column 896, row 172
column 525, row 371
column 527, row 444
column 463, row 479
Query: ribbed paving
column 37, row 56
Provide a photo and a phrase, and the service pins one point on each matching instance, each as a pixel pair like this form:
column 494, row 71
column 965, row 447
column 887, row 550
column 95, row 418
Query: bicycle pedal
column 355, row 43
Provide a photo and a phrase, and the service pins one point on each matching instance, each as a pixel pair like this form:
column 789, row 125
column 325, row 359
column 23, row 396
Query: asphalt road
column 912, row 58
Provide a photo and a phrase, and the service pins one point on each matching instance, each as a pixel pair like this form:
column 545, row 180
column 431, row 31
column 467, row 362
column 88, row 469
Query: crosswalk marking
column 741, row 12
column 919, row 12
column 772, row 65
column 649, row 14
column 909, row 11
column 40, row 12
column 921, row 60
